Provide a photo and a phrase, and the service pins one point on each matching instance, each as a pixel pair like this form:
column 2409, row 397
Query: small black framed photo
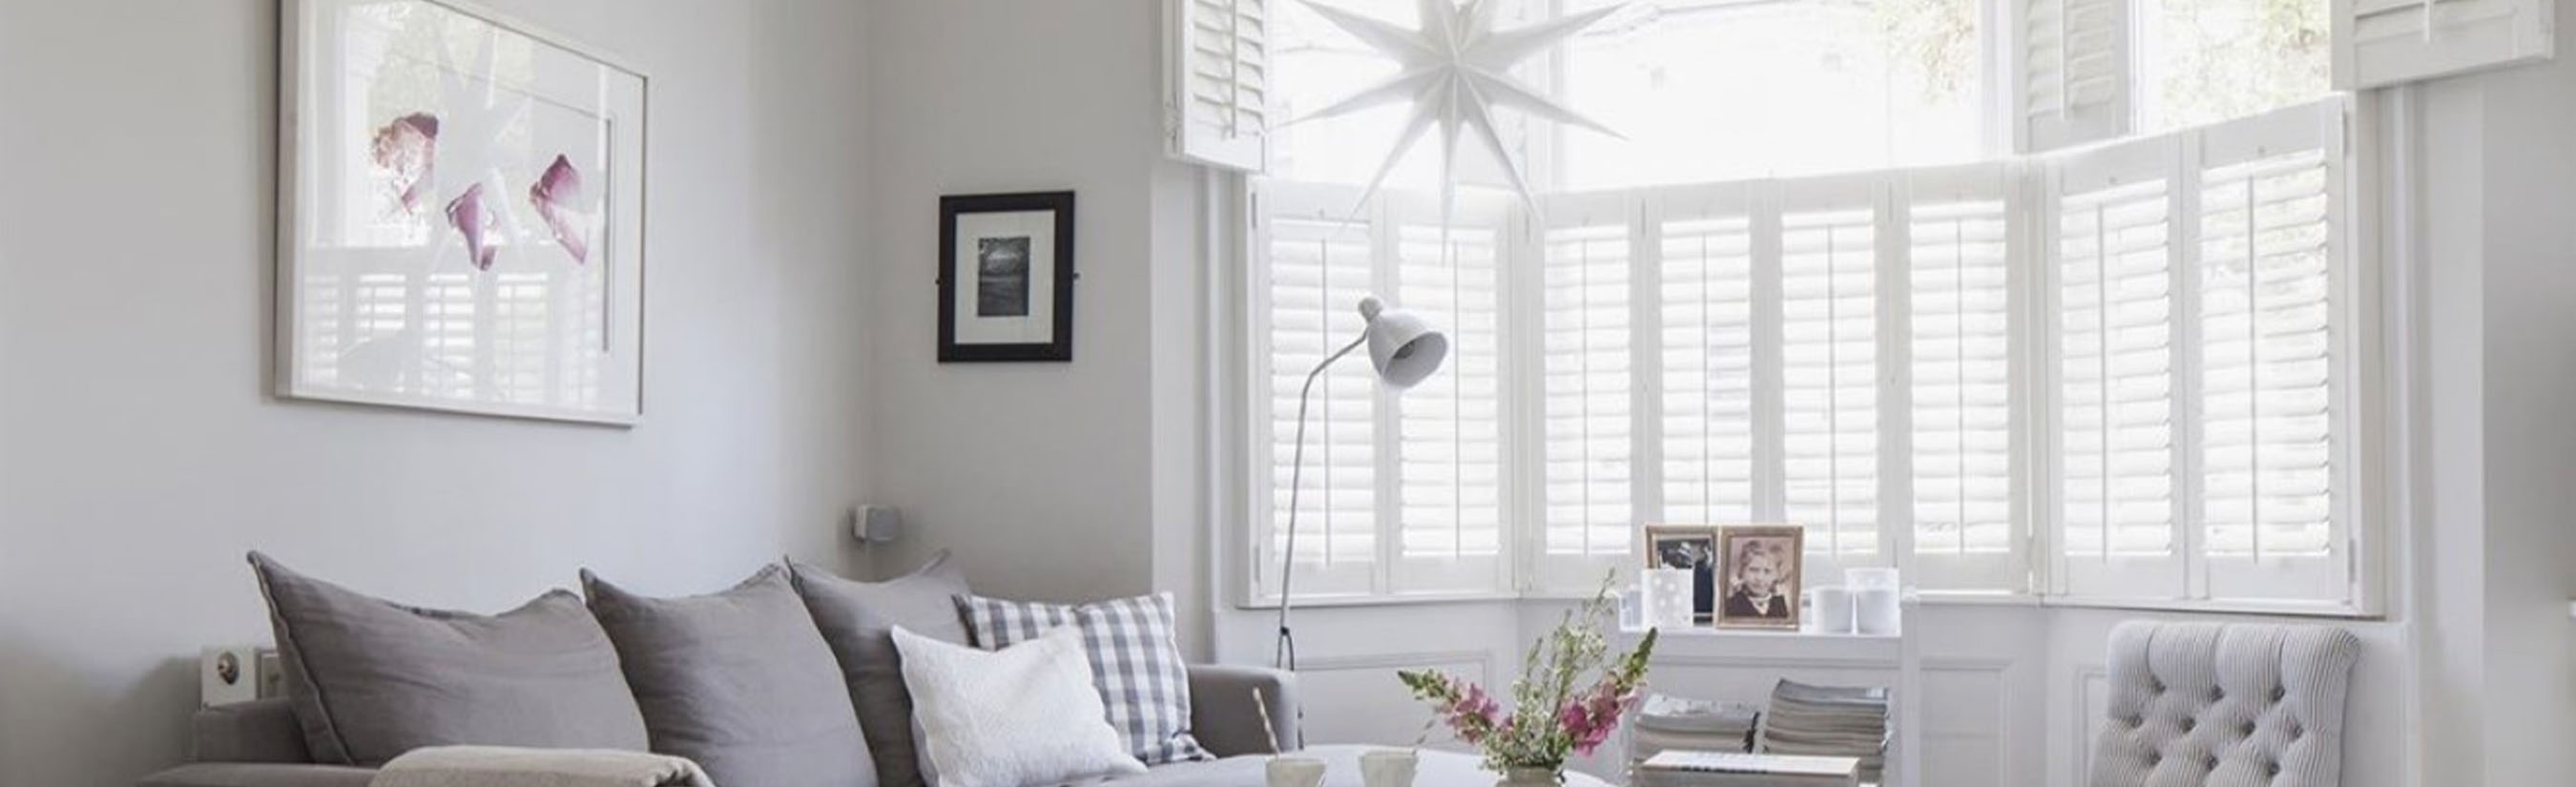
column 1006, row 277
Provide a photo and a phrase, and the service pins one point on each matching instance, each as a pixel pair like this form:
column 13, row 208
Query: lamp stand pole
column 1284, row 655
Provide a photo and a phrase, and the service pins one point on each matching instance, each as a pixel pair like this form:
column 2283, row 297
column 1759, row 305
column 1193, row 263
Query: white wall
column 2503, row 204
column 140, row 454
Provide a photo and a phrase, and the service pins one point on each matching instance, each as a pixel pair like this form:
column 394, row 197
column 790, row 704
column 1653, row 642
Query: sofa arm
column 259, row 774
column 1226, row 720
column 254, row 731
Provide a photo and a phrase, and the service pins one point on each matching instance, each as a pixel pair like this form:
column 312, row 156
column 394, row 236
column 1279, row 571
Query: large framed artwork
column 1006, row 277
column 461, row 214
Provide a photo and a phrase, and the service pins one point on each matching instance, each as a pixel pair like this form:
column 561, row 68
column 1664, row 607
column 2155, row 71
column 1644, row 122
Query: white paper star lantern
column 1456, row 69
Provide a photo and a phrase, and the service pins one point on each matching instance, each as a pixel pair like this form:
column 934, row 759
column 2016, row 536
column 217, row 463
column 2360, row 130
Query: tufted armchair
column 2224, row 705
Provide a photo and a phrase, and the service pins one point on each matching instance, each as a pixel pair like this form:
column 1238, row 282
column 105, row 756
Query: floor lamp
column 1405, row 349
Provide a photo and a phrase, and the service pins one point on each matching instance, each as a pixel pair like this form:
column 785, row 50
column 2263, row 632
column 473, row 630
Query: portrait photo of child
column 1761, row 567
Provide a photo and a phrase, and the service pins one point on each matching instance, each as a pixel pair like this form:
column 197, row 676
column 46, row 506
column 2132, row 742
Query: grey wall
column 1041, row 477
column 140, row 455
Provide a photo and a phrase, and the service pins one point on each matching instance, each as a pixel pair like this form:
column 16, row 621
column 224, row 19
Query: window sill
column 1927, row 598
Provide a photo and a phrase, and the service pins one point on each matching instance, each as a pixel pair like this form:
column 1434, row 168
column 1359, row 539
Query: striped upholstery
column 2211, row 705
column 1134, row 659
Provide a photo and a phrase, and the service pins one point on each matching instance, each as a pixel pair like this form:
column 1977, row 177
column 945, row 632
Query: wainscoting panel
column 1357, row 699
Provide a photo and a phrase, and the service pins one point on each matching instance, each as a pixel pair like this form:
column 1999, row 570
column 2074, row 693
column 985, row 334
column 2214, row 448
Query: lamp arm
column 1284, row 655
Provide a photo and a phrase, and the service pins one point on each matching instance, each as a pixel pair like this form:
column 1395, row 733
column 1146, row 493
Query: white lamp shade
column 1404, row 347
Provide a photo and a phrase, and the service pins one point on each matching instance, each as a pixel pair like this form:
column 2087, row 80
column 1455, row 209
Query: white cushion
column 1023, row 715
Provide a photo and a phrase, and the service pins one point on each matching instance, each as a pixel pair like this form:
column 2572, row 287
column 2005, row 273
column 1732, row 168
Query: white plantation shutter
column 1316, row 263
column 1705, row 289
column 1219, row 82
column 2387, row 42
column 1829, row 368
column 1960, row 297
column 2072, row 80
column 2269, row 268
column 1450, row 427
column 1587, row 379
column 2113, row 256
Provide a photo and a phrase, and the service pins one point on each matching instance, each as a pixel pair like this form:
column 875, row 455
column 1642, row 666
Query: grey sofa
column 257, row 744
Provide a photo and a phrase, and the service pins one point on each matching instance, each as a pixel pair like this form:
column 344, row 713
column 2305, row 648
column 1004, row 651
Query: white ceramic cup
column 1288, row 771
column 1388, row 767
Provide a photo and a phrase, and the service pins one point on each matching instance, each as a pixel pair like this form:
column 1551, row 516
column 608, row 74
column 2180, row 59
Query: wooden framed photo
column 1761, row 571
column 1691, row 547
column 1006, row 277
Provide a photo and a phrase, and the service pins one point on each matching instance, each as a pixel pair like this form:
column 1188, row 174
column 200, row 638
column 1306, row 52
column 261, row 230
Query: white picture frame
column 460, row 206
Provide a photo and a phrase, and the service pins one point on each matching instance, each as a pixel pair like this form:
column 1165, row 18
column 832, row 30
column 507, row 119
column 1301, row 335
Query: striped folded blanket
column 504, row 766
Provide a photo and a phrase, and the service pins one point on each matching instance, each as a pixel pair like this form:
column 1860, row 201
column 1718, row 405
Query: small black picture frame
column 1015, row 300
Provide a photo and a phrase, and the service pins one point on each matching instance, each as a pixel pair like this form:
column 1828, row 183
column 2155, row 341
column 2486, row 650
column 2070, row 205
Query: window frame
column 2037, row 559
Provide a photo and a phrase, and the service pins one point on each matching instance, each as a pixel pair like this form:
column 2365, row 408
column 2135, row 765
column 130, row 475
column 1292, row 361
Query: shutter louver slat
column 2074, row 72
column 2379, row 43
column 2116, row 424
column 1450, row 427
column 1829, row 378
column 1962, row 370
column 1220, row 102
column 2266, row 395
column 1707, row 347
column 1585, row 362
column 1319, row 268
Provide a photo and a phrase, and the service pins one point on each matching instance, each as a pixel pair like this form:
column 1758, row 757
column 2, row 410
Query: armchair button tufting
column 2278, row 693
column 2189, row 723
column 2211, row 764
column 2247, row 729
column 2271, row 769
column 2216, row 694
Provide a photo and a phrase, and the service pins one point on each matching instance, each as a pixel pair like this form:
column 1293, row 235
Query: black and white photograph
column 1002, row 277
column 1692, row 547
column 1006, row 277
column 1761, row 569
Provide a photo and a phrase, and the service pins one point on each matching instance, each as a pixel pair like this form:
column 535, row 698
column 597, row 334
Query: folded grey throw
column 504, row 766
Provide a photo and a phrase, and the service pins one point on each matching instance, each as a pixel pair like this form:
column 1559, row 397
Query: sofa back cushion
column 858, row 620
column 371, row 679
column 739, row 681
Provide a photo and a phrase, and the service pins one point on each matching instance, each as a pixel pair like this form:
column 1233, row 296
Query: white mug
column 1388, row 767
column 1296, row 772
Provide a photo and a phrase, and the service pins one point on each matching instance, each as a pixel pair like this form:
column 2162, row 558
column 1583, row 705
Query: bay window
column 2046, row 298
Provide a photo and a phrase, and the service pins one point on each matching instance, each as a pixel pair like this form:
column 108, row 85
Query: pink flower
column 466, row 214
column 556, row 195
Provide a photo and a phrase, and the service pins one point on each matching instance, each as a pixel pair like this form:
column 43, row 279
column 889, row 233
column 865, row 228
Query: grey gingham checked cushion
column 1134, row 662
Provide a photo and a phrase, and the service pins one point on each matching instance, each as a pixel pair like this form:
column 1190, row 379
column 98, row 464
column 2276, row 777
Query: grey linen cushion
column 371, row 679
column 1135, row 663
column 739, row 681
column 858, row 619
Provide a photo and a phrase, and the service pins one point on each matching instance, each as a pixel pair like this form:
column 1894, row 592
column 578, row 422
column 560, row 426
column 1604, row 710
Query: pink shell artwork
column 555, row 193
column 407, row 150
column 466, row 214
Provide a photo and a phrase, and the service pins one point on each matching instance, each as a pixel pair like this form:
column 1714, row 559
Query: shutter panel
column 1829, row 367
column 1705, row 288
column 1317, row 263
column 1961, row 297
column 2072, row 81
column 1451, row 448
column 2387, row 42
column 1219, row 82
column 1586, row 369
column 2270, row 265
column 2113, row 256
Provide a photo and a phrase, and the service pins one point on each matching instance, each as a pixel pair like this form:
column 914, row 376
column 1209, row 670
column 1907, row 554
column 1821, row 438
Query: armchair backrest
column 2225, row 705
